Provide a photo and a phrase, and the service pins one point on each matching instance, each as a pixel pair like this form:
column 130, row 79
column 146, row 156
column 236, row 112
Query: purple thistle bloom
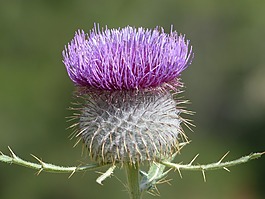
column 127, row 58
column 127, row 79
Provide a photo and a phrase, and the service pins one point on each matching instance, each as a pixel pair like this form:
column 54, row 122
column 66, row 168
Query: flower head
column 126, row 78
column 127, row 58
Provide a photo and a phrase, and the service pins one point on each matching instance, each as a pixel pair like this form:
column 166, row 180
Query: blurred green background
column 225, row 83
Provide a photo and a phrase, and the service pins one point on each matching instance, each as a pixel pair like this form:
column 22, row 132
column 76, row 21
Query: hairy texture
column 127, row 58
column 129, row 126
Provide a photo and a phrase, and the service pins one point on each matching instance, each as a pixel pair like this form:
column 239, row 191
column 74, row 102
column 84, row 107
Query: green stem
column 133, row 179
column 43, row 166
column 212, row 166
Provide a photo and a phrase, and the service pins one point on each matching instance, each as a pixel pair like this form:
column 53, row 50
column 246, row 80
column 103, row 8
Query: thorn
column 42, row 164
column 38, row 172
column 204, row 176
column 166, row 172
column 226, row 169
column 179, row 172
column 152, row 193
column 193, row 160
column 157, row 191
column 39, row 160
column 72, row 174
column 76, row 143
column 182, row 144
column 164, row 180
column 73, row 125
column 13, row 155
column 223, row 157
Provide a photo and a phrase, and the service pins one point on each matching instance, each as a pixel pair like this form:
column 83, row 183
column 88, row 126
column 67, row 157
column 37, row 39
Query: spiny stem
column 212, row 166
column 43, row 166
column 133, row 179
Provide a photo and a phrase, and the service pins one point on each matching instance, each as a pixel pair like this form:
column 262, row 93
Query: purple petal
column 127, row 58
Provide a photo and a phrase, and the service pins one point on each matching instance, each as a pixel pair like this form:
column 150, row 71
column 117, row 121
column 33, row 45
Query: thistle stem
column 213, row 166
column 43, row 166
column 133, row 179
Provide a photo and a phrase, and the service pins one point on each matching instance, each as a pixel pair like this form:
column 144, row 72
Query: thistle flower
column 128, row 79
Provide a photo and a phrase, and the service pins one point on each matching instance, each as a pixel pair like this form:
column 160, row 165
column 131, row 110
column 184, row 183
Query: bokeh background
column 225, row 83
